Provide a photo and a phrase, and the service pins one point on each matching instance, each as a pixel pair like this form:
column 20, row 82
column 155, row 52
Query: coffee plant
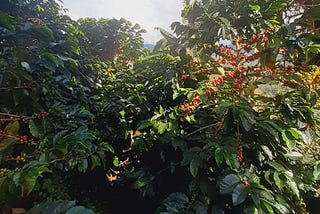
column 222, row 117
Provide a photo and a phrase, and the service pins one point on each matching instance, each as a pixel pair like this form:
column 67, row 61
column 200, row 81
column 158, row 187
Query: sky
column 148, row 13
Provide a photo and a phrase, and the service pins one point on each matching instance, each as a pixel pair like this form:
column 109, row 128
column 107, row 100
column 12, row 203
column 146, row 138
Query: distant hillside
column 149, row 46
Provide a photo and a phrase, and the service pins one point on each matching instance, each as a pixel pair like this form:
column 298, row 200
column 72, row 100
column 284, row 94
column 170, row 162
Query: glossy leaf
column 228, row 183
column 79, row 210
column 56, row 207
column 194, row 166
column 239, row 194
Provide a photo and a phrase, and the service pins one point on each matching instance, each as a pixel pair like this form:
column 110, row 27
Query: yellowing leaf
column 12, row 128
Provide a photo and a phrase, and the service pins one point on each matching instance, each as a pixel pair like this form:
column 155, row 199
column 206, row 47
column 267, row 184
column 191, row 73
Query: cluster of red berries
column 264, row 72
column 109, row 68
column 230, row 74
column 261, row 37
column 228, row 55
column 217, row 81
column 189, row 107
column 185, row 76
column 43, row 114
column 24, row 140
column 209, row 92
column 239, row 78
column 246, row 183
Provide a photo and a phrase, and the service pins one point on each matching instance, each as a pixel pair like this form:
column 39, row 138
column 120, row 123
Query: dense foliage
column 223, row 117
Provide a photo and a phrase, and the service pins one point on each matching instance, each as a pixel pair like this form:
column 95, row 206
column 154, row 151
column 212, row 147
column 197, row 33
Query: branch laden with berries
column 247, row 105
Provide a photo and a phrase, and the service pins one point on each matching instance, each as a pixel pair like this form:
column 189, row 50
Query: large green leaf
column 266, row 207
column 176, row 202
column 79, row 210
column 12, row 128
column 247, row 119
column 55, row 207
column 26, row 177
column 294, row 187
column 239, row 194
column 33, row 128
column 277, row 166
column 278, row 181
column 194, row 165
column 6, row 21
column 316, row 171
column 286, row 137
column 228, row 183
column 218, row 155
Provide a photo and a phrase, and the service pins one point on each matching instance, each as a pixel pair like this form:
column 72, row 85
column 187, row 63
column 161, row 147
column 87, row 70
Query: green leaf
column 44, row 33
column 218, row 155
column 59, row 136
column 281, row 206
column 4, row 145
column 178, row 196
column 316, row 171
column 12, row 128
column 161, row 127
column 254, row 7
column 266, row 207
column 165, row 33
column 217, row 210
column 26, row 178
column 271, row 128
column 293, row 134
column 95, row 161
column 294, row 187
column 79, row 210
column 109, row 148
column 228, row 183
column 51, row 57
column 267, row 176
column 277, row 166
column 239, row 194
column 61, row 147
column 6, row 21
column 55, row 207
column 294, row 155
column 145, row 124
column 279, row 183
column 26, row 66
column 200, row 208
column 194, row 166
column 253, row 178
column 315, row 48
column 247, row 119
column 83, row 166
column 33, row 128
column 266, row 195
column 267, row 151
column 116, row 161
column 291, row 143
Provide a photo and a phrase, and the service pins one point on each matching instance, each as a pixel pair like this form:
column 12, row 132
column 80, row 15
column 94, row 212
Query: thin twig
column 202, row 128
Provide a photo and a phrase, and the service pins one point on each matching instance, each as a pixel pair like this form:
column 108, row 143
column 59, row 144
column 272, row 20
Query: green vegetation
column 222, row 117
